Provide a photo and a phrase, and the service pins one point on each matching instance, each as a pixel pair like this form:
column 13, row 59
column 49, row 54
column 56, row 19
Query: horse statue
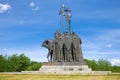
column 49, row 45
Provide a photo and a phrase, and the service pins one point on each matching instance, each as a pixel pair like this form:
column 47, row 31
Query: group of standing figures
column 64, row 48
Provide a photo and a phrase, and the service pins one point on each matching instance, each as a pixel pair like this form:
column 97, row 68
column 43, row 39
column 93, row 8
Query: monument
column 66, row 46
column 64, row 51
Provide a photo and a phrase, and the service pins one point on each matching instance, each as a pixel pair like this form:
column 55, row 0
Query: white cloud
column 5, row 49
column 4, row 7
column 34, row 6
column 109, row 45
column 115, row 62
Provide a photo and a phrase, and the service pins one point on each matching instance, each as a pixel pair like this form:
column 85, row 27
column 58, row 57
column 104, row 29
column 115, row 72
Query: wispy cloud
column 110, row 36
column 4, row 7
column 34, row 6
column 5, row 49
column 115, row 61
column 109, row 45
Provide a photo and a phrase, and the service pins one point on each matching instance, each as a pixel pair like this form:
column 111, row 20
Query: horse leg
column 48, row 55
column 51, row 55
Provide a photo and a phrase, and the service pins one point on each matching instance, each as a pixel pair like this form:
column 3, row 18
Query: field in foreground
column 56, row 77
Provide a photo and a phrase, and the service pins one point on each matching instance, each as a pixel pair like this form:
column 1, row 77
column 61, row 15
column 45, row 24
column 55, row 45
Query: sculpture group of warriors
column 64, row 48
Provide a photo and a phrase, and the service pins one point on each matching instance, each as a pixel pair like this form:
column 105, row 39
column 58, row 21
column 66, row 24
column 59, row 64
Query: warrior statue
column 75, row 46
column 60, row 46
column 80, row 57
column 55, row 47
column 68, row 56
column 59, row 41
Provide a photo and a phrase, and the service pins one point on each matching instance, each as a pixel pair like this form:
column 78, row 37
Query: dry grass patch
column 56, row 77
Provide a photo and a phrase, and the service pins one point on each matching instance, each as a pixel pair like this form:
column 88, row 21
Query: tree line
column 18, row 63
column 102, row 65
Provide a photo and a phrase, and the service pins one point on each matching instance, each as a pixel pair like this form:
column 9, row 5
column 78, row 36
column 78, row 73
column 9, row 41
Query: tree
column 100, row 65
column 34, row 66
column 92, row 64
column 104, row 65
column 115, row 69
column 24, row 61
column 3, row 63
column 18, row 63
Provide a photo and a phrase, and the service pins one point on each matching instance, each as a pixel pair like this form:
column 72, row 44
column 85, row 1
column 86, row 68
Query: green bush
column 34, row 66
column 102, row 65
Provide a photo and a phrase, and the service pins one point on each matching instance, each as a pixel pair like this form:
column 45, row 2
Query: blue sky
column 25, row 24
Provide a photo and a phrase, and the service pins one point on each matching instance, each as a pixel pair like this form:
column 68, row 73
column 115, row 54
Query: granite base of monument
column 63, row 67
column 55, row 68
column 69, row 68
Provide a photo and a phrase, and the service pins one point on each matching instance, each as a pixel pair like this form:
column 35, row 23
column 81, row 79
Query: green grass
column 56, row 77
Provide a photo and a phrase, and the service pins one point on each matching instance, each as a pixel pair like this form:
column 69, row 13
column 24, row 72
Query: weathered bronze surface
column 65, row 48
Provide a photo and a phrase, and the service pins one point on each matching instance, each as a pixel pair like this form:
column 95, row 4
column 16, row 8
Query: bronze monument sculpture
column 66, row 46
column 64, row 51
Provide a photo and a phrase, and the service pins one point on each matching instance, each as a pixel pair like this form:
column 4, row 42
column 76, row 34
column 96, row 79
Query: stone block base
column 71, row 69
column 66, row 68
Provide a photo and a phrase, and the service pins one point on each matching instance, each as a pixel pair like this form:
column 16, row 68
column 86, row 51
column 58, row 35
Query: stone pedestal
column 64, row 67
column 56, row 68
column 70, row 69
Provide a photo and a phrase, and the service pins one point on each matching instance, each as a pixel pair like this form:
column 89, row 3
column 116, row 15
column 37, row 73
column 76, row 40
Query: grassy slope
column 56, row 77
